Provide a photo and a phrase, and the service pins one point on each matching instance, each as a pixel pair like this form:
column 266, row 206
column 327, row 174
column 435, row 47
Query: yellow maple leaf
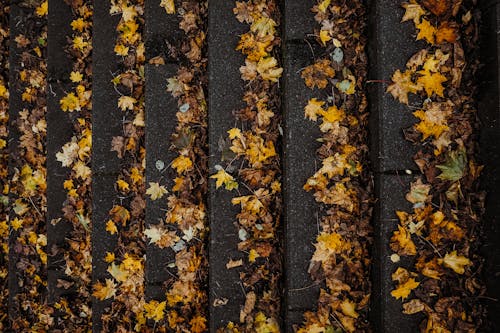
column 155, row 310
column 426, row 31
column 254, row 48
column 331, row 241
column 122, row 185
column 263, row 26
column 70, row 103
column 168, row 5
column 432, row 82
column 69, row 153
column 4, row 93
column 323, row 5
column 111, row 227
column 110, row 257
column 324, row 36
column 265, row 325
column 43, row 9
column 161, row 237
column 253, row 255
column 16, row 223
column 79, row 43
column 413, row 11
column 313, row 109
column 118, row 272
column 156, row 191
column 79, row 24
column 455, row 262
column 121, row 50
column 126, row 103
column 128, row 13
column 82, row 171
column 75, row 77
column 248, row 203
column 349, row 308
column 129, row 31
column 132, row 263
column 102, row 292
column 223, row 178
column 268, row 70
column 404, row 289
column 182, row 164
column 402, row 243
column 135, row 175
column 401, row 85
column 234, row 133
column 431, row 124
column 178, row 182
column 333, row 114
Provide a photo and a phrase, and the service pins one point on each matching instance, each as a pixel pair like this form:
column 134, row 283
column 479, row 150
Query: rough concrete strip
column 161, row 31
column 489, row 114
column 107, row 122
column 225, row 96
column 161, row 120
column 391, row 44
column 301, row 211
column 59, row 131
column 298, row 20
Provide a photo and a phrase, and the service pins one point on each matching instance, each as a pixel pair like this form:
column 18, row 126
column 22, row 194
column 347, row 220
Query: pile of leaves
column 184, row 229
column 125, row 285
column 75, row 309
column 27, row 172
column 440, row 275
column 4, row 188
column 342, row 186
column 252, row 145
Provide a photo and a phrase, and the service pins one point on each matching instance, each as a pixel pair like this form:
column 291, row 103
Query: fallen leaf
column 402, row 243
column 155, row 310
column 404, row 290
column 223, row 178
column 455, row 262
column 126, row 103
column 402, row 85
column 156, row 191
column 432, row 82
column 413, row 11
column 426, row 31
column 313, row 108
column 454, row 167
column 168, row 5
column 102, row 292
column 234, row 263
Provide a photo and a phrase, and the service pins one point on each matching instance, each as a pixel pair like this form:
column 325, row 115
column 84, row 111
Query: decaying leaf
column 156, row 191
column 454, row 168
column 455, row 262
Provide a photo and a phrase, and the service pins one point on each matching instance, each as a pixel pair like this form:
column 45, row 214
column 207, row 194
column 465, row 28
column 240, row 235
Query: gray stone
column 59, row 131
column 391, row 44
column 298, row 20
column 160, row 120
column 301, row 211
column 106, row 123
column 225, row 96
